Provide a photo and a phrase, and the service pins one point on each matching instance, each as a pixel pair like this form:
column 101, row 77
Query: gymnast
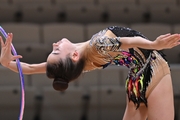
column 148, row 84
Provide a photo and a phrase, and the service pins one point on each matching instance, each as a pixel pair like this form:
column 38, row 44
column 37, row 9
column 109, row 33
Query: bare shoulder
column 110, row 34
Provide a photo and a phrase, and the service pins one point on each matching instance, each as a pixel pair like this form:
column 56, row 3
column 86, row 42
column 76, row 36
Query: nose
column 55, row 44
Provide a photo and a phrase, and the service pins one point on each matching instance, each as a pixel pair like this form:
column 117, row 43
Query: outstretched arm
column 7, row 59
column 166, row 41
column 28, row 68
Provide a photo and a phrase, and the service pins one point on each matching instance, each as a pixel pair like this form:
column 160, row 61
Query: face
column 60, row 50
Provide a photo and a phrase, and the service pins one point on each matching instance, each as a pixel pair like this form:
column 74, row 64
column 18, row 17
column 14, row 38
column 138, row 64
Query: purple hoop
column 20, row 75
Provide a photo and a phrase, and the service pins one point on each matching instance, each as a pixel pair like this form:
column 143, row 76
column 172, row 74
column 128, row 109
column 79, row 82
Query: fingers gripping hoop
column 20, row 75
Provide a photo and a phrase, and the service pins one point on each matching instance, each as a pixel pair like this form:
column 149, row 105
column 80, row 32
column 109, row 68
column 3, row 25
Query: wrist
column 5, row 64
column 154, row 45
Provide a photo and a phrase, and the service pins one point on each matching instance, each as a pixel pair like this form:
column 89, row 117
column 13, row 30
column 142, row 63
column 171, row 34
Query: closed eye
column 55, row 53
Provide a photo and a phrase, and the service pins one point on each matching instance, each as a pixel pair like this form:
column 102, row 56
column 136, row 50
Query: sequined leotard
column 139, row 61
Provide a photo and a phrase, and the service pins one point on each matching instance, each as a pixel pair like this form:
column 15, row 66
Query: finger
column 8, row 44
column 8, row 40
column 10, row 37
column 163, row 36
column 166, row 35
column 175, row 39
column 2, row 42
column 178, row 43
column 178, row 39
column 171, row 39
column 16, row 57
column 175, row 44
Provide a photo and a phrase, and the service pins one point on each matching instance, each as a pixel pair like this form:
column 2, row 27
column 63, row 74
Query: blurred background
column 98, row 95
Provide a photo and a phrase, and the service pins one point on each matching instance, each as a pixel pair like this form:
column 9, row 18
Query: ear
column 75, row 56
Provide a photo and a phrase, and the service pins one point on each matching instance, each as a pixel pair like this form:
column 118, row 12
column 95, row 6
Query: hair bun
column 60, row 84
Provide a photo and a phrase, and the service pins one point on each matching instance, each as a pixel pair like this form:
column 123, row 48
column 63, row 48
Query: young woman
column 148, row 84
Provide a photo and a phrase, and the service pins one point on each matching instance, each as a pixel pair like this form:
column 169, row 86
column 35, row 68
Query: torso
column 103, row 52
column 96, row 61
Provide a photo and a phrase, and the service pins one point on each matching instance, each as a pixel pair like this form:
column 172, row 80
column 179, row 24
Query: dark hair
column 64, row 71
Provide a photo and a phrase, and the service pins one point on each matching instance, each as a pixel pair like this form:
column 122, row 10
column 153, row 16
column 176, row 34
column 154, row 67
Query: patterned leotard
column 137, row 60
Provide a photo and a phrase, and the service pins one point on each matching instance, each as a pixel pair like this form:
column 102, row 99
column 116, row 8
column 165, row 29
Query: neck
column 93, row 59
column 81, row 47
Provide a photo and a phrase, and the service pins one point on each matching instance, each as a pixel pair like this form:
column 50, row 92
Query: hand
column 6, row 55
column 167, row 41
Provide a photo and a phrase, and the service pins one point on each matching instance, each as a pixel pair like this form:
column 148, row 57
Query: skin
column 64, row 47
column 160, row 99
column 166, row 41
